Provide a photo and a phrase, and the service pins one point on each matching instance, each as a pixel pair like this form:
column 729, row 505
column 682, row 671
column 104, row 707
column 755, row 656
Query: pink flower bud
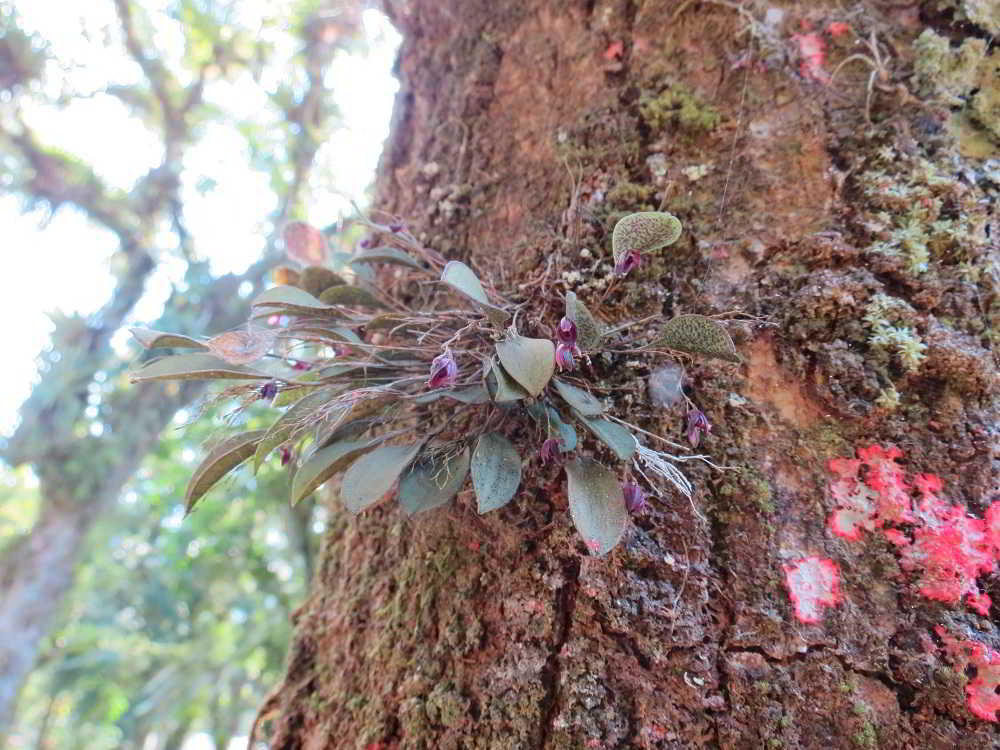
column 567, row 332
column 444, row 371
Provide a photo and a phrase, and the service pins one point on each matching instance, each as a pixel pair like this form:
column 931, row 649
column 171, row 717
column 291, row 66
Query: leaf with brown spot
column 241, row 347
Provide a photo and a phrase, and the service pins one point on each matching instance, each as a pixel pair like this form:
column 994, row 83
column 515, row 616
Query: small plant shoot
column 397, row 389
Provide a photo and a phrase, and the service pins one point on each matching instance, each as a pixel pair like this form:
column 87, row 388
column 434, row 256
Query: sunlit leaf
column 585, row 403
column 596, row 504
column 193, row 367
column 221, row 459
column 389, row 255
column 241, row 347
column 612, row 434
column 496, row 471
column 530, row 362
column 305, row 243
column 290, row 395
column 151, row 339
column 696, row 334
column 589, row 330
column 373, row 475
column 325, row 463
column 431, row 482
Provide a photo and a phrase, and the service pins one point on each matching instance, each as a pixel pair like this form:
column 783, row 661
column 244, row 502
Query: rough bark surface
column 521, row 129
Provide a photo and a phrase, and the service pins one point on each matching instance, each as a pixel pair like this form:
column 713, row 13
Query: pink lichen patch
column 945, row 546
column 866, row 505
column 813, row 583
column 812, row 50
column 981, row 692
column 949, row 548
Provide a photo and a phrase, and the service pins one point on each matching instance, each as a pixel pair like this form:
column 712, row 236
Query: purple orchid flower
column 564, row 357
column 697, row 423
column 635, row 496
column 444, row 371
column 551, row 450
column 268, row 391
column 627, row 262
column 566, row 332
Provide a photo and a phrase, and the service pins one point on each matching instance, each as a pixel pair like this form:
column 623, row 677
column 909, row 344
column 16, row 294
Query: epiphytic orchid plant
column 396, row 392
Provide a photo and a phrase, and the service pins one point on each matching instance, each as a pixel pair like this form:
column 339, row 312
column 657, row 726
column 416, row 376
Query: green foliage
column 448, row 384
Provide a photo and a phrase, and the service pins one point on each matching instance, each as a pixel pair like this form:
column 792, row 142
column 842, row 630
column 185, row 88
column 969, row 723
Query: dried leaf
column 530, row 362
column 193, row 367
column 151, row 339
column 589, row 330
column 596, row 504
column 644, row 232
column 323, row 464
column 617, row 438
column 389, row 255
column 317, row 279
column 221, row 459
column 305, row 244
column 241, row 347
column 373, row 475
column 350, row 296
column 696, row 334
column 585, row 403
column 496, row 471
column 430, row 483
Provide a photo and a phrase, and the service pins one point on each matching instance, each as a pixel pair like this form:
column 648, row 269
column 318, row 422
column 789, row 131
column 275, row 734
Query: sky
column 61, row 262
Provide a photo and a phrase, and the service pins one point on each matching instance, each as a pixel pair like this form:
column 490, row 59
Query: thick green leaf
column 151, row 339
column 386, row 255
column 644, row 232
column 221, row 459
column 550, row 418
column 317, row 279
column 289, row 395
column 323, row 464
column 585, row 403
column 616, row 437
column 696, row 334
column 530, row 362
column 374, row 474
column 350, row 296
column 193, row 367
column 496, row 471
column 293, row 421
column 596, row 504
column 502, row 388
column 463, row 280
column 430, row 483
column 294, row 301
column 475, row 394
column 589, row 330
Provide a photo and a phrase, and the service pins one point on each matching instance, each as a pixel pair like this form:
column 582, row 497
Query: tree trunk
column 523, row 129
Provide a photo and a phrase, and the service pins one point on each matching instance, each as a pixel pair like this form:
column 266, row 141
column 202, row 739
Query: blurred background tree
column 160, row 145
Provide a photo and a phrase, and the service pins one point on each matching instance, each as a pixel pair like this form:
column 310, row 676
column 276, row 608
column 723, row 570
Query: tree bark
column 522, row 129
